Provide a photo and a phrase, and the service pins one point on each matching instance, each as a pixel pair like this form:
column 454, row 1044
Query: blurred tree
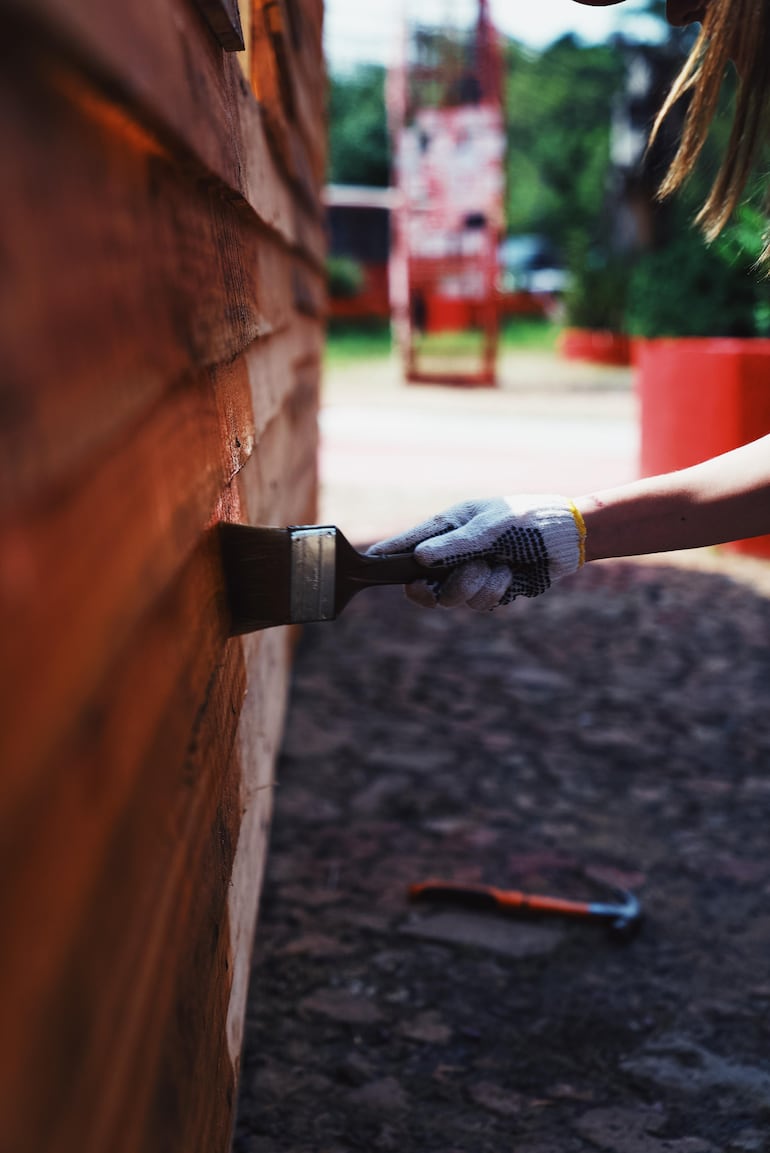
column 558, row 111
column 359, row 150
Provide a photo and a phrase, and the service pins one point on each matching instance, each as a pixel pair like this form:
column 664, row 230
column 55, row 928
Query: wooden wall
column 161, row 295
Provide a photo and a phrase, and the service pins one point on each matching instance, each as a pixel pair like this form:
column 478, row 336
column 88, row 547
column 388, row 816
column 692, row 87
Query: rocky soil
column 613, row 733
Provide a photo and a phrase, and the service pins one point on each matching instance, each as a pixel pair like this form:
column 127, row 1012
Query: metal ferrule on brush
column 313, row 572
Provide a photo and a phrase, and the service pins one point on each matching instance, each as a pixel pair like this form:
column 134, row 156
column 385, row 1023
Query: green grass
column 366, row 340
column 371, row 340
column 529, row 333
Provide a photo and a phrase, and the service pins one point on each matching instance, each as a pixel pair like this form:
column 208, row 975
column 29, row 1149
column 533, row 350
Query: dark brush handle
column 393, row 569
column 357, row 570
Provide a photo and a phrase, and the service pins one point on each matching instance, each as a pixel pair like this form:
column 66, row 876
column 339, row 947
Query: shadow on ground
column 615, row 731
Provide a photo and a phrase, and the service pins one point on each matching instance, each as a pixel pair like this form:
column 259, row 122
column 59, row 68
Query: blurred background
column 492, row 220
column 580, row 232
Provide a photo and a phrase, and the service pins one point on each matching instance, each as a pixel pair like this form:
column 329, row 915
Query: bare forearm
column 726, row 498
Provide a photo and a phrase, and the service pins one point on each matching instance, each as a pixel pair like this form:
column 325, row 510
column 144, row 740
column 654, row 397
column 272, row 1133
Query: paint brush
column 279, row 576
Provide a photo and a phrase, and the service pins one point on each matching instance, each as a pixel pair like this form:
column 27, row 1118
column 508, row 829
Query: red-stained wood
column 114, row 891
column 289, row 92
column 161, row 305
column 133, row 521
column 82, row 973
column 165, row 68
column 303, row 35
column 161, row 276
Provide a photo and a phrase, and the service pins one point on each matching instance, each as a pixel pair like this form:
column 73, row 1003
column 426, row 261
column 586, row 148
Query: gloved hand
column 503, row 548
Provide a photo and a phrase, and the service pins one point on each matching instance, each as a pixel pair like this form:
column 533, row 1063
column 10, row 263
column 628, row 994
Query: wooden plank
column 224, row 19
column 124, row 901
column 307, row 77
column 80, row 572
column 159, row 277
column 289, row 93
column 244, row 58
column 279, row 467
column 310, row 295
column 122, row 533
column 160, row 295
column 157, row 62
column 203, row 1119
column 273, row 482
column 272, row 91
column 158, row 683
column 180, row 947
column 296, row 35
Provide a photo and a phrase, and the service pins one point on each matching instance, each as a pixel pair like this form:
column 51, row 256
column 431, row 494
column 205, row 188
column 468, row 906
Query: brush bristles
column 279, row 576
column 257, row 567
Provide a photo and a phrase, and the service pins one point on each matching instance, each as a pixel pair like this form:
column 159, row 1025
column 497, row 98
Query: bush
column 344, row 277
column 596, row 295
column 689, row 289
column 685, row 288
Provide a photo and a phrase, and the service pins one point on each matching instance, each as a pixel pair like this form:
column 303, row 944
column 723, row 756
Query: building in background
column 358, row 226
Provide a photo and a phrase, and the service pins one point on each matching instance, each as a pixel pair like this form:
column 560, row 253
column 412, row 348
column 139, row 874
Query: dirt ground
column 614, row 732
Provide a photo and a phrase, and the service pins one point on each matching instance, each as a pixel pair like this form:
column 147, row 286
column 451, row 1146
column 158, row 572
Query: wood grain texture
column 161, row 304
column 159, row 61
column 106, row 802
column 285, row 39
column 161, row 276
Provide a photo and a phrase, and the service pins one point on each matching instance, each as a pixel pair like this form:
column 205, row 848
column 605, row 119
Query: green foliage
column 596, row 297
column 557, row 110
column 744, row 240
column 359, row 149
column 530, row 333
column 745, row 237
column 344, row 277
column 690, row 288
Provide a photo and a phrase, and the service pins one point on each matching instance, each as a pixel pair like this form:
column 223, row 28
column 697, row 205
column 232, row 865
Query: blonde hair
column 737, row 30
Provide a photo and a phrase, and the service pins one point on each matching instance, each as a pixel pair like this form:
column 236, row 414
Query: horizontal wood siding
column 161, row 318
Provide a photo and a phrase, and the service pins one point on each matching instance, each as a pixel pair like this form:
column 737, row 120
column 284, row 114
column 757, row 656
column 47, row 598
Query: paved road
column 392, row 453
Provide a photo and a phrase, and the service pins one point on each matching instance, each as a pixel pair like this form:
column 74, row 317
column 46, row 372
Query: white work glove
column 503, row 548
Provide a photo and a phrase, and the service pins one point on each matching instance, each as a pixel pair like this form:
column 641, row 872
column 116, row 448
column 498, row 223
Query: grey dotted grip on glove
column 502, row 549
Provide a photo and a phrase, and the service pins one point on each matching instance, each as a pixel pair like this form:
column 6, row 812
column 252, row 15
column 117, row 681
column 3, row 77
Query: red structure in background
column 446, row 121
